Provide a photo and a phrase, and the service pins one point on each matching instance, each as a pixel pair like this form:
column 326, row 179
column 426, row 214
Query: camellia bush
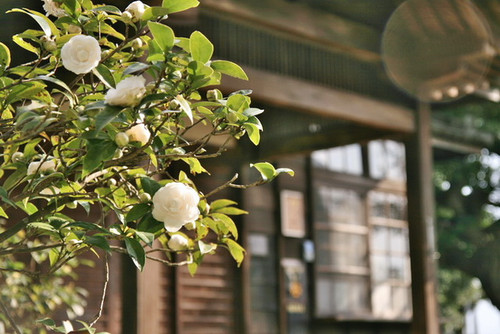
column 100, row 119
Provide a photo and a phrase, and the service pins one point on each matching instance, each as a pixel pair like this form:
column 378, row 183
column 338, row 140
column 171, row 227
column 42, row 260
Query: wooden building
column 347, row 245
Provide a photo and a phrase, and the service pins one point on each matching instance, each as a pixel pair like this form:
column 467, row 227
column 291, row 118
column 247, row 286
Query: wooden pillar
column 421, row 225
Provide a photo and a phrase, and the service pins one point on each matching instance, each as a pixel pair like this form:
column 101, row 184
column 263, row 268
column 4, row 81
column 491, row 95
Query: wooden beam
column 421, row 226
column 300, row 21
column 287, row 92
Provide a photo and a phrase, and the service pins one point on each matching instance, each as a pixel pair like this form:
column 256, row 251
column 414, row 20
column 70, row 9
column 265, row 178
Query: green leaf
column 195, row 166
column 201, row 48
column 25, row 90
column 267, row 171
column 71, row 5
column 137, row 212
column 136, row 67
column 4, row 57
column 155, row 53
column 253, row 133
column 237, row 252
column 238, row 102
column 284, row 170
column 61, row 84
column 174, row 6
column 221, row 203
column 48, row 27
column 25, row 45
column 3, row 213
column 98, row 241
column 152, row 13
column 149, row 224
column 163, row 35
column 136, row 252
column 231, row 210
column 53, row 256
column 147, row 237
column 149, row 185
column 86, row 226
column 106, row 116
column 228, row 224
column 229, row 68
column 184, row 105
column 105, row 75
column 98, row 151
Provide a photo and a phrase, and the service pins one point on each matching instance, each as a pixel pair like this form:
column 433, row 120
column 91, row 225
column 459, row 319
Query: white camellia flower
column 139, row 132
column 176, row 204
column 178, row 242
column 53, row 8
column 81, row 54
column 136, row 9
column 41, row 167
column 127, row 93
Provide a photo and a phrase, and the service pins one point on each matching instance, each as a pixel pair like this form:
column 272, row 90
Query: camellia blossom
column 81, row 54
column 127, row 93
column 41, row 167
column 136, row 9
column 178, row 242
column 53, row 8
column 175, row 204
column 139, row 132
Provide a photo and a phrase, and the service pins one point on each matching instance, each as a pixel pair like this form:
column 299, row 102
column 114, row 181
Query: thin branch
column 104, row 292
column 9, row 317
column 225, row 185
column 29, row 249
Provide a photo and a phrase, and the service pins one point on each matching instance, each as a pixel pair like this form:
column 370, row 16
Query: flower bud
column 144, row 197
column 173, row 105
column 127, row 16
column 48, row 43
column 17, row 156
column 137, row 44
column 122, row 139
column 178, row 242
column 74, row 29
column 214, row 95
column 118, row 154
column 140, row 133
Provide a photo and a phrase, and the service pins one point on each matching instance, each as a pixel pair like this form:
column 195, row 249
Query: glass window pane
column 380, row 267
column 338, row 206
column 344, row 159
column 397, row 268
column 341, row 294
column 380, row 238
column 387, row 160
column 399, row 240
column 381, row 299
column 401, row 301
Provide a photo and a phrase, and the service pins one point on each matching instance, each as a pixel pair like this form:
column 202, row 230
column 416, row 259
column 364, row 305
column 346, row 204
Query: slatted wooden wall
column 205, row 302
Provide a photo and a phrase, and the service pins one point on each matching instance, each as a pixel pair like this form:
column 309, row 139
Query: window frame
column 363, row 185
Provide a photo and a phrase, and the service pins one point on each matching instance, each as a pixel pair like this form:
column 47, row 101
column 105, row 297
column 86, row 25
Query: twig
column 104, row 292
column 9, row 317
column 225, row 185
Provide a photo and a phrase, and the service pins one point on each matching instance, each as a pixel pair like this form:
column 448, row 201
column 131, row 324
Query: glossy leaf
column 174, row 6
column 229, row 68
column 201, row 48
column 136, row 252
column 163, row 35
